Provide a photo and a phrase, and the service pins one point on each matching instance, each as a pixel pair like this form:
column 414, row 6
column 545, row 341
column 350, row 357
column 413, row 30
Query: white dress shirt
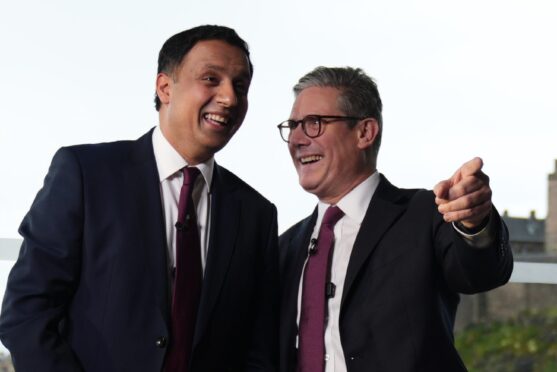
column 169, row 165
column 354, row 205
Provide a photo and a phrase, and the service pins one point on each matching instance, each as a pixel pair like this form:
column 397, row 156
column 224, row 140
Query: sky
column 457, row 79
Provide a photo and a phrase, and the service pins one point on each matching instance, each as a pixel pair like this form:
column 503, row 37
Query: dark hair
column 359, row 96
column 176, row 47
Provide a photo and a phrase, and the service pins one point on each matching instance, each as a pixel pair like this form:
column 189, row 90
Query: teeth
column 310, row 159
column 219, row 119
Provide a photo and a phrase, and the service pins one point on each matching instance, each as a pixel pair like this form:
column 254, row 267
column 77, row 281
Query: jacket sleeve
column 42, row 282
column 468, row 269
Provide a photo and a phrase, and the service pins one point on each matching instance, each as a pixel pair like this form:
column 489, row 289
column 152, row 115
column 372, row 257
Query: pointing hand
column 466, row 196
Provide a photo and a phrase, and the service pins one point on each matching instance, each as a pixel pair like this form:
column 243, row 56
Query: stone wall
column 504, row 303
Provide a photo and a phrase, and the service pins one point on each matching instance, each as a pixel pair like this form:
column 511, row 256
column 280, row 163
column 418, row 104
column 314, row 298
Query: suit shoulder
column 232, row 180
column 99, row 149
column 111, row 153
column 422, row 200
column 404, row 196
column 294, row 230
column 417, row 194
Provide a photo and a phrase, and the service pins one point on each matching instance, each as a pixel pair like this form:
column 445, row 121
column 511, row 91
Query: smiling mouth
column 217, row 119
column 310, row 159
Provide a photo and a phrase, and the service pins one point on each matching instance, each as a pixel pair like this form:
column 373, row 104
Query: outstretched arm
column 465, row 200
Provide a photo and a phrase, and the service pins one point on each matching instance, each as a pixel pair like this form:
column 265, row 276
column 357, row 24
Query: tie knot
column 190, row 175
column 332, row 215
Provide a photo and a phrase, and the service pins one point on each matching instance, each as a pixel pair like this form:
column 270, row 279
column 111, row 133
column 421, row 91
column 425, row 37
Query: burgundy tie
column 311, row 347
column 187, row 280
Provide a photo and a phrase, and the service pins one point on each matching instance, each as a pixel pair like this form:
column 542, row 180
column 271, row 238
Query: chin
column 309, row 187
column 217, row 142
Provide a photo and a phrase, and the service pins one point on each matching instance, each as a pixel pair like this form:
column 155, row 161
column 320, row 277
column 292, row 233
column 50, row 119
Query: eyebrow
column 245, row 74
column 213, row 67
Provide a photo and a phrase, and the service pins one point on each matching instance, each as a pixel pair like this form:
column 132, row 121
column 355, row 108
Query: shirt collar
column 169, row 161
column 355, row 203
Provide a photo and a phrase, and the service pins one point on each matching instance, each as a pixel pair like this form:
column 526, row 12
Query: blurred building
column 527, row 234
column 551, row 220
column 532, row 240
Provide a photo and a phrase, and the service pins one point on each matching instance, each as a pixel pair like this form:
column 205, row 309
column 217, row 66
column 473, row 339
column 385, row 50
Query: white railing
column 9, row 249
column 534, row 272
column 524, row 272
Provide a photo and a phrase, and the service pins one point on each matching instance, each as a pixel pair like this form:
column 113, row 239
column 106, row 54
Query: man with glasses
column 370, row 280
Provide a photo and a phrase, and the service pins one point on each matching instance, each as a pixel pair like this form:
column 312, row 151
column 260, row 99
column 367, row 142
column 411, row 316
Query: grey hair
column 359, row 95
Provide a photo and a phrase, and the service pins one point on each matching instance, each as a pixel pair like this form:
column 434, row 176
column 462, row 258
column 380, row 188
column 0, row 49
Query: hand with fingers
column 466, row 196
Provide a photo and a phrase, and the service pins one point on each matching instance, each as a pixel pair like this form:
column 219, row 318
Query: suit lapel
column 226, row 212
column 297, row 254
column 380, row 215
column 142, row 179
column 293, row 256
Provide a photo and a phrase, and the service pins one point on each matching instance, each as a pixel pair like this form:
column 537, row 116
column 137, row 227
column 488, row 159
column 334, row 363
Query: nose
column 226, row 95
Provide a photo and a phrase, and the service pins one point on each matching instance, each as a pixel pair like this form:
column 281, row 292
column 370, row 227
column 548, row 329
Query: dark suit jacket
column 90, row 289
column 402, row 283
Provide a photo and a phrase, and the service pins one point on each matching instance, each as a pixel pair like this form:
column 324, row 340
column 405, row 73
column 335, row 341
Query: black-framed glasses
column 311, row 125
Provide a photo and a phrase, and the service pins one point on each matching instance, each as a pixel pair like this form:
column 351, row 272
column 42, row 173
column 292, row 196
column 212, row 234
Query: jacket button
column 161, row 342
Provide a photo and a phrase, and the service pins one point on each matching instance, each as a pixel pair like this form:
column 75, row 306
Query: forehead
column 316, row 100
column 216, row 55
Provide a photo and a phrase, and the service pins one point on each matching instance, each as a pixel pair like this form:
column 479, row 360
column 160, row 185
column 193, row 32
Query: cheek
column 338, row 162
column 292, row 151
column 196, row 98
column 244, row 106
column 186, row 106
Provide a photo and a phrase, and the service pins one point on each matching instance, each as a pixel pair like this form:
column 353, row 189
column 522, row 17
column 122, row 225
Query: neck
column 192, row 153
column 333, row 199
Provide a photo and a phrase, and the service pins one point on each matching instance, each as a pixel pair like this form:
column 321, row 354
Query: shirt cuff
column 481, row 239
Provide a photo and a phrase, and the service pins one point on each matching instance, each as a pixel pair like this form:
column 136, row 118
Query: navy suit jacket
column 90, row 289
column 402, row 282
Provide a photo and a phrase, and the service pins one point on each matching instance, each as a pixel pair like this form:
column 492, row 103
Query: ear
column 163, row 84
column 368, row 129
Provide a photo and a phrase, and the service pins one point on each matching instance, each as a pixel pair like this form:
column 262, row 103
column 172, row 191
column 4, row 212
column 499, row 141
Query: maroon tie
column 311, row 346
column 187, row 280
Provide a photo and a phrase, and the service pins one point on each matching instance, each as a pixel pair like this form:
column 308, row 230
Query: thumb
column 441, row 190
column 471, row 167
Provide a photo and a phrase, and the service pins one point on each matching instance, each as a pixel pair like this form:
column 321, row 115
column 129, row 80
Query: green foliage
column 5, row 363
column 526, row 343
